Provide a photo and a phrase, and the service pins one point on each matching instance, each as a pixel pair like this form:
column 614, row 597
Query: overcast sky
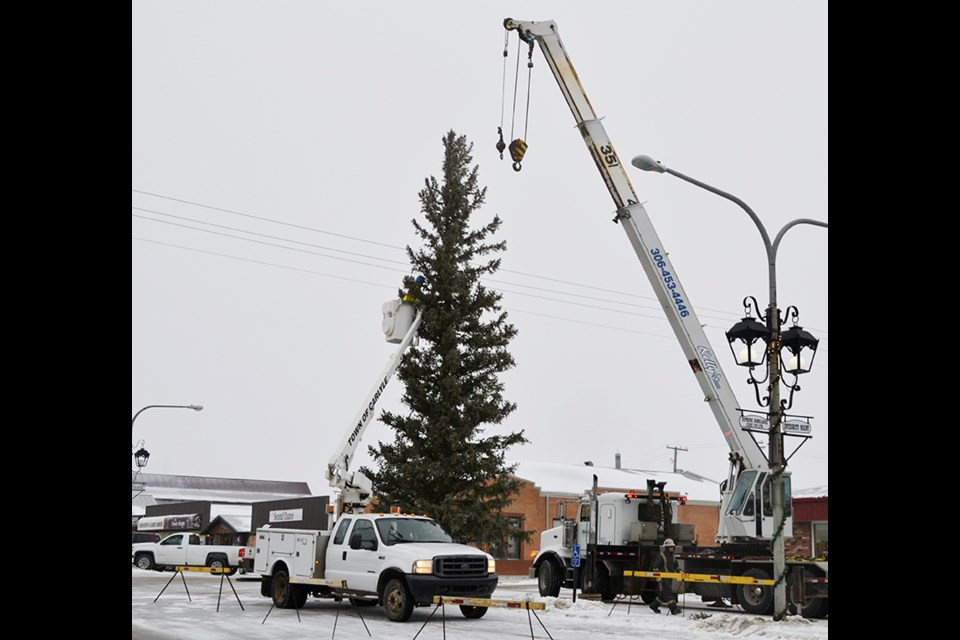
column 277, row 153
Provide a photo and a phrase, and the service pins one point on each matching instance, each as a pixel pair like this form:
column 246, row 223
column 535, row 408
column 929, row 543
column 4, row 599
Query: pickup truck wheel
column 217, row 562
column 472, row 612
column 549, row 578
column 756, row 599
column 397, row 601
column 144, row 561
column 280, row 590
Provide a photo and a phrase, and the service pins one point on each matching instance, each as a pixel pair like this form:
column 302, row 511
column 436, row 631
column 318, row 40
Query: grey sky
column 278, row 150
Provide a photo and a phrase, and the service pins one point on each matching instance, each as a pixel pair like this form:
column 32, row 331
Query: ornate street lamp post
column 745, row 338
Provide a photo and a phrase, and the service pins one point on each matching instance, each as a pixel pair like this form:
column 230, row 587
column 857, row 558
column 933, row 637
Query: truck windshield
column 394, row 530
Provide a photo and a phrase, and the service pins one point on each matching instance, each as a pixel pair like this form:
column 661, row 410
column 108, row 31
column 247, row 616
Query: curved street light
column 748, row 333
column 142, row 455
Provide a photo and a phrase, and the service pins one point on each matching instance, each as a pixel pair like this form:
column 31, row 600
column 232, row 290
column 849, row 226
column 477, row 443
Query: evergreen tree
column 444, row 462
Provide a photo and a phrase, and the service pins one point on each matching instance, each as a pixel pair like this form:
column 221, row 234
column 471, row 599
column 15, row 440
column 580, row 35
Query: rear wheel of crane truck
column 472, row 612
column 811, row 608
column 397, row 601
column 605, row 584
column 549, row 578
column 755, row 598
column 648, row 590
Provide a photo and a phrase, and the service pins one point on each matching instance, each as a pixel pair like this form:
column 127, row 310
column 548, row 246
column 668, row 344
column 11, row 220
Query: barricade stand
column 339, row 584
column 630, row 600
column 224, row 573
column 680, row 576
column 531, row 607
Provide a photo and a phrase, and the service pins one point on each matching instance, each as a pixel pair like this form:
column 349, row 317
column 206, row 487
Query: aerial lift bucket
column 397, row 318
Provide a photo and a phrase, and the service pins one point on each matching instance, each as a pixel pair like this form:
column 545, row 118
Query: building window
column 509, row 549
column 819, row 539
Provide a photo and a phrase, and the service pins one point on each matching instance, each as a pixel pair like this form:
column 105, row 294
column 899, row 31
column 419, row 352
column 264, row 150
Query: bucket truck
column 746, row 527
column 399, row 561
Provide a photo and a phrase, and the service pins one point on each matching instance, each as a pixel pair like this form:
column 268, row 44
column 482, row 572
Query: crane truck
column 399, row 561
column 741, row 566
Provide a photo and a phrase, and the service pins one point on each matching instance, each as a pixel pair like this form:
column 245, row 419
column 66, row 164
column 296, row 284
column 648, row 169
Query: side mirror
column 355, row 541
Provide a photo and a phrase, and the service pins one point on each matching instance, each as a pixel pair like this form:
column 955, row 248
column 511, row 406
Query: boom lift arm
column 354, row 487
column 745, row 453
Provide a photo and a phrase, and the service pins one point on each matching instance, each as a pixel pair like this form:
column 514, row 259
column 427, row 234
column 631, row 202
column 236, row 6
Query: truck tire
column 604, row 586
column 755, row 599
column 397, row 602
column 814, row 607
column 549, row 578
column 472, row 612
column 219, row 562
column 648, row 591
column 144, row 561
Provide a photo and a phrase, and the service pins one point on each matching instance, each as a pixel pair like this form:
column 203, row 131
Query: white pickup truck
column 188, row 549
column 397, row 561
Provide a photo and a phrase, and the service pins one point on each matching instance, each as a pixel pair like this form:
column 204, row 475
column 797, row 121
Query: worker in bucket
column 667, row 563
column 414, row 290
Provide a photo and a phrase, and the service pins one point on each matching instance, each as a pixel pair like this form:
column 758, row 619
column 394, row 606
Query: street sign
column 575, row 561
column 796, row 426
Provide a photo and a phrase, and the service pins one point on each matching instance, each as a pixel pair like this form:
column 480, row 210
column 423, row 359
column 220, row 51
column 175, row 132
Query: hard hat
column 668, row 542
column 420, row 279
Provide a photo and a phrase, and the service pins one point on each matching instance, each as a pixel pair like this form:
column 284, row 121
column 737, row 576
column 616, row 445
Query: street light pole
column 774, row 346
column 195, row 407
column 143, row 455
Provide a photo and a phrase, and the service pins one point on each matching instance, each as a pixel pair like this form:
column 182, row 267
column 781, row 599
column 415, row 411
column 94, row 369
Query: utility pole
column 675, row 449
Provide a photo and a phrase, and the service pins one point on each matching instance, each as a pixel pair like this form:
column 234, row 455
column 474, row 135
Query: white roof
column 573, row 479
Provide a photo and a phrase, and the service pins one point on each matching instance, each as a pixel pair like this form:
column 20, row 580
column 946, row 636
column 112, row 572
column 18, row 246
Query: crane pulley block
column 517, row 148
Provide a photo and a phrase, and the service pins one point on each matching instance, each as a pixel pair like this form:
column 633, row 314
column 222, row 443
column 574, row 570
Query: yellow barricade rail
column 485, row 602
column 204, row 569
column 699, row 577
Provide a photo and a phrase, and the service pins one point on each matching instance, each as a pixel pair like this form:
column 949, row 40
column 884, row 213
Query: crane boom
column 354, row 487
column 653, row 257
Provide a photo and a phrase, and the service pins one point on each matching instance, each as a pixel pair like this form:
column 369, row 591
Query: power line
column 399, row 248
column 657, row 308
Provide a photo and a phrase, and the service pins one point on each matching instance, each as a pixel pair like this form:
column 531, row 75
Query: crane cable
column 518, row 147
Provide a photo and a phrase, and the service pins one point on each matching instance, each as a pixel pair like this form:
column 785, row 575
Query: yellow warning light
column 533, row 554
column 395, row 510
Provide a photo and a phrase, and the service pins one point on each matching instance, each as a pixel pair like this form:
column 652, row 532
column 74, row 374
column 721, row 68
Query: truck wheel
column 755, row 598
column 603, row 584
column 548, row 578
column 144, row 561
column 217, row 562
column 472, row 612
column 397, row 601
column 280, row 590
column 648, row 591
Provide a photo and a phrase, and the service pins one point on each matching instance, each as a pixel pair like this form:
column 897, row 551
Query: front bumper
column 424, row 588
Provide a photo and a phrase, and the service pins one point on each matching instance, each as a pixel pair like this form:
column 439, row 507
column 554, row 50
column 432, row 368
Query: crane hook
column 501, row 145
column 517, row 148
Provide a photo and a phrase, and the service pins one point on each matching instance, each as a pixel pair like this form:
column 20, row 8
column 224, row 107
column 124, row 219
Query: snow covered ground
column 175, row 616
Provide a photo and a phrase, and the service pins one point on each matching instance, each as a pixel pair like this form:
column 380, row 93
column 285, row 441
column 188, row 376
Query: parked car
column 139, row 536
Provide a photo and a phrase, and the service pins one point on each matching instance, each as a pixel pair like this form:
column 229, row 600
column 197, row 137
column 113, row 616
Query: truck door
column 742, row 514
column 337, row 551
column 172, row 550
column 358, row 561
column 607, row 524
